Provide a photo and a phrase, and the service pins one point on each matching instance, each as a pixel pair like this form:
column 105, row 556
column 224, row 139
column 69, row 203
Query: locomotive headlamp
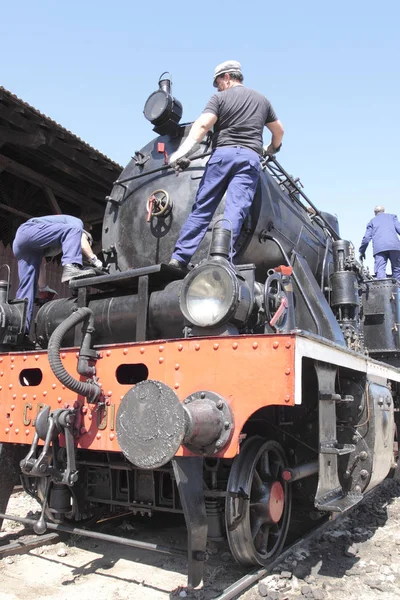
column 213, row 294
column 162, row 109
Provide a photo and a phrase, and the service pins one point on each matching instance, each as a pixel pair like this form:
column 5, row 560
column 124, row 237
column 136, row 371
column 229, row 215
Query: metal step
column 332, row 448
column 336, row 501
column 336, row 397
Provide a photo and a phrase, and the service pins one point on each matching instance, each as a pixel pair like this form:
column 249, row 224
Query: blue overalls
column 29, row 246
column 383, row 230
column 231, row 169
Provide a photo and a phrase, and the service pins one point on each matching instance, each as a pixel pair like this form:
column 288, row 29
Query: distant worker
column 383, row 230
column 48, row 236
column 238, row 115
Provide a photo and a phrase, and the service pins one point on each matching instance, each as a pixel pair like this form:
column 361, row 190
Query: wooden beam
column 80, row 155
column 14, row 211
column 11, row 166
column 53, row 201
column 21, row 138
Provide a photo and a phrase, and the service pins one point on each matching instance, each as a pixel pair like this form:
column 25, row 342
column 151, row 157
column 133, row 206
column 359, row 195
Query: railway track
column 233, row 591
column 244, row 583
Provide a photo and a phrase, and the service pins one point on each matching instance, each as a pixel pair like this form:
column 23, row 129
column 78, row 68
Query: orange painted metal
column 250, row 372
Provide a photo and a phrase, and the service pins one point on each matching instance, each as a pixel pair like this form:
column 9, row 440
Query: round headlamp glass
column 157, row 106
column 208, row 295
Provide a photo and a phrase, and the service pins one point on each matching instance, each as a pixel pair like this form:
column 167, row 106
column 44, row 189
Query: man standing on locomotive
column 383, row 230
column 238, row 115
column 48, row 236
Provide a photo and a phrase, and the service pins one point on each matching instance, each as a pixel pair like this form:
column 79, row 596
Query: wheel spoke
column 275, row 467
column 256, row 524
column 262, row 540
column 274, row 534
column 256, row 484
column 264, row 465
column 259, row 510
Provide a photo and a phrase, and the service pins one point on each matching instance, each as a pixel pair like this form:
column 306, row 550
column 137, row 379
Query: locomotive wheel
column 257, row 519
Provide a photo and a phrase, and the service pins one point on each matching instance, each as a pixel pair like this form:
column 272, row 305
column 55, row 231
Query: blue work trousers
column 234, row 170
column 380, row 261
column 32, row 239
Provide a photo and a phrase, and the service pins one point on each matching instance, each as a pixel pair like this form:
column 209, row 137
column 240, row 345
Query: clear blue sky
column 330, row 69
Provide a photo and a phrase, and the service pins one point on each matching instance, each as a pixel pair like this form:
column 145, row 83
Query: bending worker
column 48, row 236
column 383, row 230
column 238, row 115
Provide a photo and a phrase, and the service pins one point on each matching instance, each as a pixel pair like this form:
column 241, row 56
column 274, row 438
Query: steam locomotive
column 226, row 394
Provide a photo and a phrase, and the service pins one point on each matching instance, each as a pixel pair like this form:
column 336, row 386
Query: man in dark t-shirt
column 238, row 115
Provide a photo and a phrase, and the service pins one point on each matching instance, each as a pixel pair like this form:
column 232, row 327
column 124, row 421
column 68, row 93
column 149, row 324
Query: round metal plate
column 150, row 424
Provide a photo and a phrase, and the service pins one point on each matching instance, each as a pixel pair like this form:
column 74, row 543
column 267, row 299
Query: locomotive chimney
column 221, row 242
column 165, row 84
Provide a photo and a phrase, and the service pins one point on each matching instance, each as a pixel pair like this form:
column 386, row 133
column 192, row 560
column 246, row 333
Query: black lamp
column 162, row 109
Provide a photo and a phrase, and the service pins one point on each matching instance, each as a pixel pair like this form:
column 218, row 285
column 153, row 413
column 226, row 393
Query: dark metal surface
column 189, row 478
column 126, row 279
column 380, row 313
column 118, row 318
column 10, row 455
column 141, row 243
column 142, row 308
column 150, row 424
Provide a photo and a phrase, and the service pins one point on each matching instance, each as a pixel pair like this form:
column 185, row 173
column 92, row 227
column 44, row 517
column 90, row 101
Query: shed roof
column 45, row 168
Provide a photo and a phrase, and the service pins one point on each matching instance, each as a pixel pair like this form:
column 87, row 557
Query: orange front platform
column 248, row 371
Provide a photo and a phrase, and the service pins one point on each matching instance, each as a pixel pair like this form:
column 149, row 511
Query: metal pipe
column 163, row 168
column 89, row 389
column 324, row 265
column 101, row 536
column 290, row 474
column 303, row 195
column 397, row 315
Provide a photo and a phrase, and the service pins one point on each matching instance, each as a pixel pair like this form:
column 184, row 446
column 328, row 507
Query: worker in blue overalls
column 47, row 236
column 383, row 230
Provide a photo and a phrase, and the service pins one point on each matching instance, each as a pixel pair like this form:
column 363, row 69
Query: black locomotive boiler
column 224, row 394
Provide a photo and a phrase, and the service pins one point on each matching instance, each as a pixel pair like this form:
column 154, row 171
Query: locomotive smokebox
column 152, row 424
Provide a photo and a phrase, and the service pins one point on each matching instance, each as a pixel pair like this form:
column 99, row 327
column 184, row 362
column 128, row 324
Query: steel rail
column 101, row 536
column 242, row 584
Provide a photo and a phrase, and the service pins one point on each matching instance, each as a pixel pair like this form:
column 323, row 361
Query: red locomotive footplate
column 250, row 372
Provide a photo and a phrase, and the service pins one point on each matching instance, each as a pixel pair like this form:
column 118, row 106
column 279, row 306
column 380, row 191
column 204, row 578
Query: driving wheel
column 258, row 504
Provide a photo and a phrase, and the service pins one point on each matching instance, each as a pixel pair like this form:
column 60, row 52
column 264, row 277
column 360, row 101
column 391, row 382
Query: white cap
column 379, row 209
column 229, row 66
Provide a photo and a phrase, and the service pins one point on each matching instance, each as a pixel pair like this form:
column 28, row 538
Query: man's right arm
column 198, row 130
column 366, row 239
column 396, row 224
column 276, row 128
column 88, row 252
